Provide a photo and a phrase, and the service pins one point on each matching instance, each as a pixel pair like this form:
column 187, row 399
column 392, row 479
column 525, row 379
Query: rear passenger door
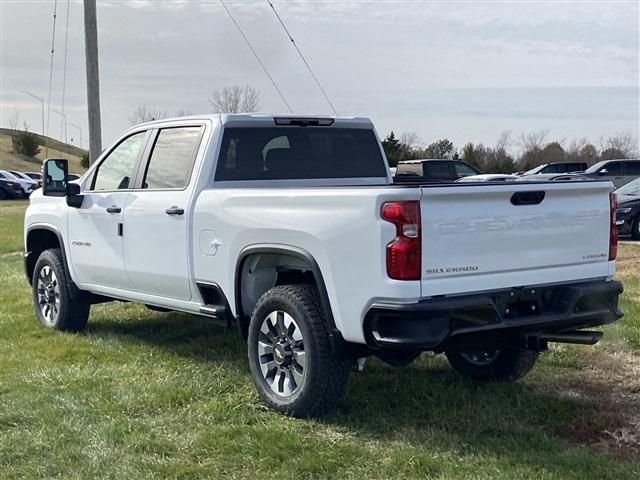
column 156, row 216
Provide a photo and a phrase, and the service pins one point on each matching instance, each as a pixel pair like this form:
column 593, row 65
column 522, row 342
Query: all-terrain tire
column 324, row 377
column 52, row 288
column 509, row 365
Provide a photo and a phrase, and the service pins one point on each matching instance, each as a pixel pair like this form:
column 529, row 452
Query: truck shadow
column 425, row 405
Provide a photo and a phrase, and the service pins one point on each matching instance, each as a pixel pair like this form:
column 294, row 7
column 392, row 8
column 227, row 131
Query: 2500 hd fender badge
column 81, row 244
column 438, row 271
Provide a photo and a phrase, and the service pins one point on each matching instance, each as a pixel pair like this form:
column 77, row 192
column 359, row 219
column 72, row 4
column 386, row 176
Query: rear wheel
column 54, row 299
column 504, row 365
column 292, row 365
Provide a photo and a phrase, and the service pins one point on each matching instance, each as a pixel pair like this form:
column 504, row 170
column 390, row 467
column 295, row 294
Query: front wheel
column 53, row 297
column 292, row 365
column 504, row 365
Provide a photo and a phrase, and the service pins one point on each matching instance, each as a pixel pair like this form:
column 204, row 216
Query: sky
column 466, row 71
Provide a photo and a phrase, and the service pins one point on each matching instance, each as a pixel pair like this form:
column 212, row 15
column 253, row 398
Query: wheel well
column 39, row 240
column 257, row 272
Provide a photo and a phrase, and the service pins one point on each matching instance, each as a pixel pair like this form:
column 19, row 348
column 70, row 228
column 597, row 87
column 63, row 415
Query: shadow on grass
column 425, row 406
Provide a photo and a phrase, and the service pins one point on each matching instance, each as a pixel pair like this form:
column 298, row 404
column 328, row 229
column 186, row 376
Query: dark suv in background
column 432, row 170
column 620, row 172
column 558, row 167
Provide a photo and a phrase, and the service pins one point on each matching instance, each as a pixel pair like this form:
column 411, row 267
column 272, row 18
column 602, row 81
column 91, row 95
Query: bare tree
column 14, row 119
column 533, row 140
column 144, row 114
column 235, row 99
column 409, row 143
column 184, row 112
column 623, row 142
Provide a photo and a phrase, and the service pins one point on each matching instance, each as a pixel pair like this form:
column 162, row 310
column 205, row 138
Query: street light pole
column 41, row 102
column 63, row 118
column 79, row 130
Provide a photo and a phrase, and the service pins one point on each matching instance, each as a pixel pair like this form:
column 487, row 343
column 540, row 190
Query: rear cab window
column 294, row 152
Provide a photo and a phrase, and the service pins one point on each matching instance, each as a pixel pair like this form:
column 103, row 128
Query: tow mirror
column 54, row 177
column 55, row 182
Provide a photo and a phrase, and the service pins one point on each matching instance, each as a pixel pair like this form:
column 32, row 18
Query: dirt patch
column 609, row 386
column 13, row 209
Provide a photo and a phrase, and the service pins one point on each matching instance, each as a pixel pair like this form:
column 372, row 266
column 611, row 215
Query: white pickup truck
column 292, row 228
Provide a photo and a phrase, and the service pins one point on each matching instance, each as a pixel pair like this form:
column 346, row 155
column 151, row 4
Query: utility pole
column 93, row 83
column 41, row 104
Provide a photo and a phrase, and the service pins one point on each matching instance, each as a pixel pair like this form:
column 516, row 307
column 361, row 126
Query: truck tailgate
column 484, row 237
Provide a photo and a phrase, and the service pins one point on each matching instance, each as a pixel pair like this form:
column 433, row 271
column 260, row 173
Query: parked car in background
column 37, row 176
column 433, row 171
column 628, row 212
column 558, row 167
column 26, row 186
column 9, row 189
column 489, row 177
column 554, row 177
column 23, row 176
column 620, row 172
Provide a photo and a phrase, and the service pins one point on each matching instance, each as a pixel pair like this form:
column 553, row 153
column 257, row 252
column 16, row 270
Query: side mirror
column 54, row 177
column 603, row 171
column 55, row 182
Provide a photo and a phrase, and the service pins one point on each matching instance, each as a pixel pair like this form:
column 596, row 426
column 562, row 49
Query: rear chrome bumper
column 492, row 318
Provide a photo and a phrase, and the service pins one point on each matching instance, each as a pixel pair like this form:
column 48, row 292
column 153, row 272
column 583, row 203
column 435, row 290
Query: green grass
column 11, row 221
column 149, row 395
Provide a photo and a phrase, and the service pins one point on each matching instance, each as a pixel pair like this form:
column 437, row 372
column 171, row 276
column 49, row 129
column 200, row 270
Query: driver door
column 95, row 229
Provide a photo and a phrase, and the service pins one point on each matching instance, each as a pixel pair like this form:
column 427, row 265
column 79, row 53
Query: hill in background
column 57, row 149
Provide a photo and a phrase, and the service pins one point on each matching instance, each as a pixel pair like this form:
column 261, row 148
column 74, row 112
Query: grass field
column 12, row 161
column 149, row 395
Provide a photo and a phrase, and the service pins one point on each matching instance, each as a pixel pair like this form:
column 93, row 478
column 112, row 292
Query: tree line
column 535, row 147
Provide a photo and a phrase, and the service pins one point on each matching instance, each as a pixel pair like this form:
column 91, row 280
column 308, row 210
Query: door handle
column 114, row 209
column 174, row 211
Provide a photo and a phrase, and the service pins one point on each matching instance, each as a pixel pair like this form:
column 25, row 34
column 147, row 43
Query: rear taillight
column 613, row 230
column 404, row 258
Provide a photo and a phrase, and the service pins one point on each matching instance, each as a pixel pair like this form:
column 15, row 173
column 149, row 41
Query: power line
column 256, row 55
column 303, row 58
column 64, row 71
column 53, row 43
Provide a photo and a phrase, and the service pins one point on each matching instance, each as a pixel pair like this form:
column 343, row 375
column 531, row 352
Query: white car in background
column 488, row 177
column 27, row 186
column 27, row 178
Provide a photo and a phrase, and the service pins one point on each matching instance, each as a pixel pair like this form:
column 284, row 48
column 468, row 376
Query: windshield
column 631, row 188
column 535, row 170
column 595, row 168
column 7, row 175
column 21, row 175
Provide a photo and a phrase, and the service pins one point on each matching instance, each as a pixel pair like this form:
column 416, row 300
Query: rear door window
column 632, row 168
column 463, row 170
column 276, row 153
column 172, row 158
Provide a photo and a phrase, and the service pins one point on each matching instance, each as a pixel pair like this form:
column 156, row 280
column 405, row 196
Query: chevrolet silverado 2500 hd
column 292, row 228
